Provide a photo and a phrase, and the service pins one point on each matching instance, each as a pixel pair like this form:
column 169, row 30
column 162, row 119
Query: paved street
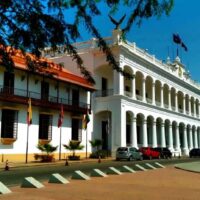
column 42, row 172
column 165, row 184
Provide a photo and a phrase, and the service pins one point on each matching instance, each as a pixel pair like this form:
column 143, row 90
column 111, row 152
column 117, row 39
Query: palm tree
column 73, row 146
column 96, row 143
column 47, row 148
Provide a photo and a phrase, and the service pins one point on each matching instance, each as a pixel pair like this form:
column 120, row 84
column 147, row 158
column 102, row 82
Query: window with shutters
column 9, row 126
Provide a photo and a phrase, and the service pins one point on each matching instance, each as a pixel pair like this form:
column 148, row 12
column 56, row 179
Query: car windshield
column 122, row 149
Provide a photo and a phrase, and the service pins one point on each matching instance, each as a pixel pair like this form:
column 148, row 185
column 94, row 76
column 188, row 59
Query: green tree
column 73, row 146
column 31, row 25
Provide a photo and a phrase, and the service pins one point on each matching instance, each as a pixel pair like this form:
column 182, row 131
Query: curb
column 24, row 165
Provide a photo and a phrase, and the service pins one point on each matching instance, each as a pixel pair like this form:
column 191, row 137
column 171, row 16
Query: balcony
column 104, row 93
column 20, row 96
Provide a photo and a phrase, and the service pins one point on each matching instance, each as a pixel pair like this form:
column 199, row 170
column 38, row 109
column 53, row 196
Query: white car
column 128, row 153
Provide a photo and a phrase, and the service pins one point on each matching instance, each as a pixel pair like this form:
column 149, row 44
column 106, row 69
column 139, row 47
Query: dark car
column 149, row 153
column 194, row 152
column 164, row 152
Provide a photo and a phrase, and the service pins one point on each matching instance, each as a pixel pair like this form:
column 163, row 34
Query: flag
column 184, row 46
column 29, row 113
column 61, row 116
column 86, row 119
column 177, row 39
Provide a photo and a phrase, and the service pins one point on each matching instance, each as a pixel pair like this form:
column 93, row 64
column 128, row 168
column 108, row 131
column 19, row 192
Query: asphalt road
column 16, row 175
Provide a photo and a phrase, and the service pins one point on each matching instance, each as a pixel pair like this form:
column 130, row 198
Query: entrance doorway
column 104, row 131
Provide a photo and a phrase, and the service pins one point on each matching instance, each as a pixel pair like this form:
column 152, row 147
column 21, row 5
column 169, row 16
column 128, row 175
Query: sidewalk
column 192, row 166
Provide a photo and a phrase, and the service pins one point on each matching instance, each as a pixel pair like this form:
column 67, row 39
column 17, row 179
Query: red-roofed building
column 48, row 88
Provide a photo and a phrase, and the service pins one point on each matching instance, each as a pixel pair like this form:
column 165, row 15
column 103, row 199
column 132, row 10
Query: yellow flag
column 29, row 113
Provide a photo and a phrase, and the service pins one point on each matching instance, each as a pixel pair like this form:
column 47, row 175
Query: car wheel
column 130, row 158
column 117, row 159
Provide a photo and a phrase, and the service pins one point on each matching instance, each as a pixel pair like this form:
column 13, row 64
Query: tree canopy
column 32, row 25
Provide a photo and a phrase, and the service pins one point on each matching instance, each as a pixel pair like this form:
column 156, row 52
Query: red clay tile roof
column 58, row 71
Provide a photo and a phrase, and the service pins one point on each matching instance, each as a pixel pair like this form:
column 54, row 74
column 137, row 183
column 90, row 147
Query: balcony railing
column 149, row 100
column 104, row 93
column 138, row 97
column 14, row 94
column 128, row 94
column 158, row 103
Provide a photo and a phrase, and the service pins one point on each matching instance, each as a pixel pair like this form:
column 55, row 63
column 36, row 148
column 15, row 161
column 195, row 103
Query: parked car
column 149, row 153
column 164, row 152
column 128, row 153
column 194, row 153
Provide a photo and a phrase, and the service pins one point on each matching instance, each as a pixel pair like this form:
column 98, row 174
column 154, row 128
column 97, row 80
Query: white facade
column 158, row 107
column 15, row 90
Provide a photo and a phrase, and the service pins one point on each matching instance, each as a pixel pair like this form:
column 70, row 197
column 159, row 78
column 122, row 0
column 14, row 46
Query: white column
column 154, row 139
column 195, row 113
column 134, row 133
column 176, row 102
column 185, row 141
column 144, row 142
column 184, row 111
column 133, row 88
column 170, row 137
column 195, row 138
column 153, row 93
column 177, row 139
column 163, row 141
column 123, row 126
column 191, row 139
column 143, row 90
column 118, row 83
column 189, row 106
column 169, row 100
column 161, row 97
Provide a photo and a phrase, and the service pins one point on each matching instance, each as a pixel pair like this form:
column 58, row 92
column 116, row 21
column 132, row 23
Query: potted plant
column 73, row 146
column 48, row 150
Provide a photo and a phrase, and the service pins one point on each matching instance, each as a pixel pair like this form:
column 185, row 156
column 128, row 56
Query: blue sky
column 156, row 34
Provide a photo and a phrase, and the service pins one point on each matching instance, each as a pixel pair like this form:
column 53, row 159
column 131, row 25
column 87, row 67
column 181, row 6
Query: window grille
column 9, row 126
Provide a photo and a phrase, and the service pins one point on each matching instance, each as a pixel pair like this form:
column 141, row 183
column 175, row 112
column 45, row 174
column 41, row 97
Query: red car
column 149, row 153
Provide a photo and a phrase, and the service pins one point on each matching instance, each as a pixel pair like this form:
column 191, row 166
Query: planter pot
column 74, row 157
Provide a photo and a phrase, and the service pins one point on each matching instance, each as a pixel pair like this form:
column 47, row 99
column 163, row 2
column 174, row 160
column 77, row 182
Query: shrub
column 73, row 146
column 48, row 149
column 102, row 153
column 44, row 158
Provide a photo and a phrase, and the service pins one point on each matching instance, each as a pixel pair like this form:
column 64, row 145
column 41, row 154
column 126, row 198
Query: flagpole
column 60, row 143
column 86, row 147
column 27, row 139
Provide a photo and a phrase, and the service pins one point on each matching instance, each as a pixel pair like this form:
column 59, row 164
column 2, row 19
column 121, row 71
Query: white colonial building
column 48, row 88
column 158, row 107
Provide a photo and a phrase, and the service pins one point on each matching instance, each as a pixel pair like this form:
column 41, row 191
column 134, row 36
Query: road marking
column 140, row 167
column 159, row 165
column 151, row 166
